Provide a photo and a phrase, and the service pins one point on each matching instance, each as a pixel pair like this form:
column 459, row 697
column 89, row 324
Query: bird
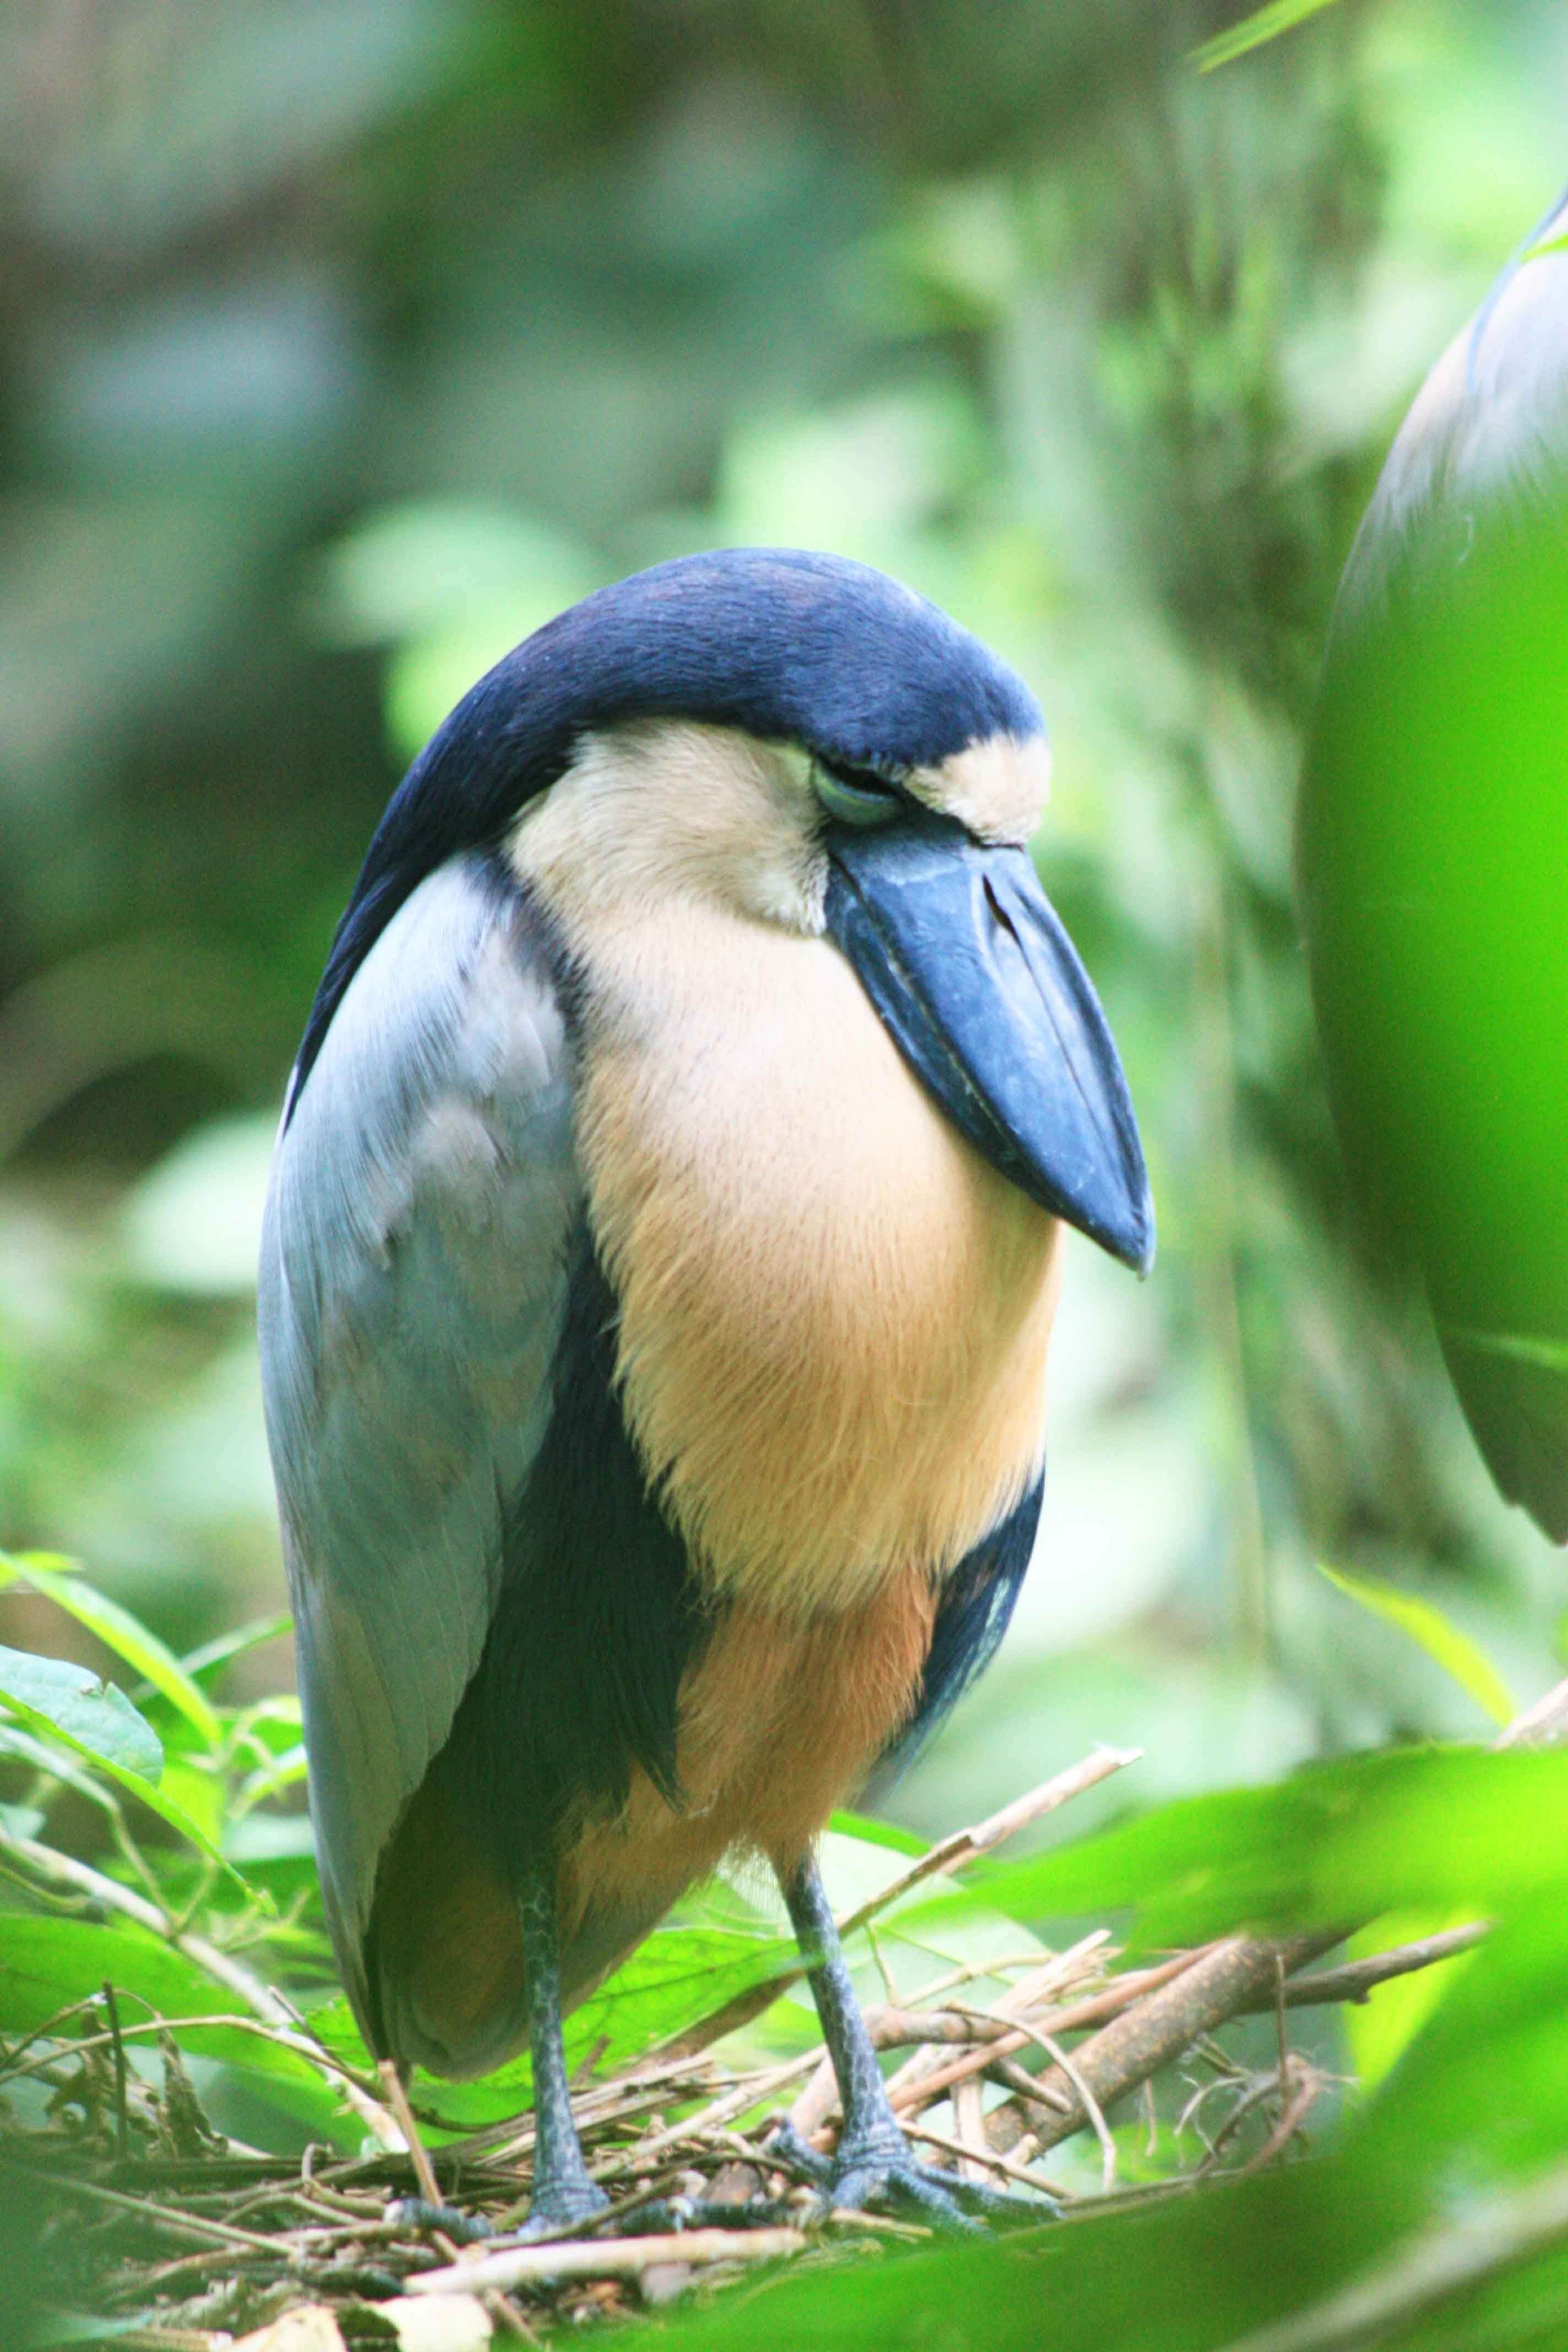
column 660, row 1257
column 1433, row 878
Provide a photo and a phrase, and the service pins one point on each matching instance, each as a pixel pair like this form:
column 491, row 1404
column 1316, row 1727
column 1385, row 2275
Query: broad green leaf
column 1415, row 1827
column 874, row 1833
column 1263, row 24
column 199, row 1793
column 1482, row 2090
column 1426, row 1624
column 47, row 1963
column 95, row 1720
column 119, row 1632
column 677, row 1976
column 94, row 1717
column 1380, row 2028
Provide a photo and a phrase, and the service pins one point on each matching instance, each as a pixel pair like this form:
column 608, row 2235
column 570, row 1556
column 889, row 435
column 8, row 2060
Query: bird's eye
column 855, row 796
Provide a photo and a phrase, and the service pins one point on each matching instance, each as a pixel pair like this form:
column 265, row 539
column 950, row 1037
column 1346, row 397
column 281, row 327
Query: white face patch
column 996, row 789
column 661, row 811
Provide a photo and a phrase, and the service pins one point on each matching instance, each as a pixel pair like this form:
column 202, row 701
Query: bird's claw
column 882, row 2169
column 792, row 2152
column 418, row 2213
column 674, row 2214
column 560, row 2210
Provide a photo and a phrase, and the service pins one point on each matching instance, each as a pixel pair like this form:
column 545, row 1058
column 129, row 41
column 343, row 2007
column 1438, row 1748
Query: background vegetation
column 343, row 340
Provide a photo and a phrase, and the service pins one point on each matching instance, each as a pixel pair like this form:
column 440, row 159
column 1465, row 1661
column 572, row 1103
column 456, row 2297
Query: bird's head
column 797, row 740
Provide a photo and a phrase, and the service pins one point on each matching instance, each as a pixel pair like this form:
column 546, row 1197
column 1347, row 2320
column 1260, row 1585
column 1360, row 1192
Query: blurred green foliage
column 344, row 342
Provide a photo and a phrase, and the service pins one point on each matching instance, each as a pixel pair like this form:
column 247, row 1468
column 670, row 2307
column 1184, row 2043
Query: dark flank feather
column 975, row 1613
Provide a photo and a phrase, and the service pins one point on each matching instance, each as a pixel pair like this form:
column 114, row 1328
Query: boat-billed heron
column 1434, row 865
column 658, row 1269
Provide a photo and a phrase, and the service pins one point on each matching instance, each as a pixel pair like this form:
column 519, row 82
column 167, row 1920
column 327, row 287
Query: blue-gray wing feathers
column 413, row 1281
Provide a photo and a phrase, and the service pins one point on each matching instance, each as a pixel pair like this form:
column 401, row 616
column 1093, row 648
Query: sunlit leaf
column 1443, row 1644
column 1421, row 1827
column 119, row 1632
column 874, row 1833
column 673, row 1979
column 226, row 1647
column 1263, row 24
column 92, row 1716
column 63, row 1702
column 46, row 1963
column 1380, row 2028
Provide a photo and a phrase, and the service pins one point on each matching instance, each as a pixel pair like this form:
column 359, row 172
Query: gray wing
column 413, row 1281
column 1487, row 432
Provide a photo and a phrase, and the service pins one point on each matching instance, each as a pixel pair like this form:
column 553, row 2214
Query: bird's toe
column 559, row 2208
column 888, row 2173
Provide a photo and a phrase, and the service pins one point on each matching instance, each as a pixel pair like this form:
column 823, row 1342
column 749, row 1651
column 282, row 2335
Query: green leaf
column 47, row 1963
column 1264, row 24
column 92, row 1716
column 226, row 1647
column 60, row 1701
column 119, row 1632
column 1443, row 1644
column 677, row 1976
column 1480, row 2101
column 1415, row 1827
column 874, row 1833
column 1539, row 253
column 1382, row 2028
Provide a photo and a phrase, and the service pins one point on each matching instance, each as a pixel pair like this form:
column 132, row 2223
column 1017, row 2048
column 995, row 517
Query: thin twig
column 613, row 2258
column 121, row 2125
column 962, row 1845
column 146, row 2208
column 1091, row 2109
column 418, row 2154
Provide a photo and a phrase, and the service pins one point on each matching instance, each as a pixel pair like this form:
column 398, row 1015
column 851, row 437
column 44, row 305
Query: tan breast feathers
column 835, row 1314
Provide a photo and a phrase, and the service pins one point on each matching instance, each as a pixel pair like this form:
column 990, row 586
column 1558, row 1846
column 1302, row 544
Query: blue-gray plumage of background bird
column 1434, row 867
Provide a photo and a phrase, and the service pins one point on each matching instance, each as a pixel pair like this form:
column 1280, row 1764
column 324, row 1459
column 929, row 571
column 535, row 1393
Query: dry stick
column 1123, row 1993
column 145, row 2029
column 921, row 2077
column 948, row 1854
column 951, row 1852
column 1239, row 1975
column 1292, row 2115
column 614, row 2258
column 1357, row 1979
column 397, row 2100
column 978, row 2156
column 746, row 2094
column 121, row 2129
column 1227, row 1978
column 1090, row 2105
column 258, row 1997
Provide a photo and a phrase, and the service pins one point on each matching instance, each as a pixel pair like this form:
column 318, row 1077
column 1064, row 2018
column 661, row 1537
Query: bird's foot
column 667, row 2215
column 879, row 2167
column 418, row 2213
column 558, row 2209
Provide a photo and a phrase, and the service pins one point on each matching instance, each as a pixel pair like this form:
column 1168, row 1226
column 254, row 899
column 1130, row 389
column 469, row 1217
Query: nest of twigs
column 199, row 2247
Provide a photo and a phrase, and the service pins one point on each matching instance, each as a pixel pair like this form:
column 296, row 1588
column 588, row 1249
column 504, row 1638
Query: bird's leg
column 563, row 2195
column 874, row 2161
